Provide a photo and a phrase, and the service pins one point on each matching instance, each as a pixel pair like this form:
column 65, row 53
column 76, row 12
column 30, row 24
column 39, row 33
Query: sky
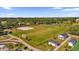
column 39, row 11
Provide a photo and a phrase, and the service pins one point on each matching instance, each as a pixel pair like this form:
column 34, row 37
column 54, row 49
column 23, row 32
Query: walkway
column 23, row 42
column 62, row 44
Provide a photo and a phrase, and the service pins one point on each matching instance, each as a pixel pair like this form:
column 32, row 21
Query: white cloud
column 57, row 8
column 11, row 14
column 76, row 8
column 70, row 9
column 7, row 8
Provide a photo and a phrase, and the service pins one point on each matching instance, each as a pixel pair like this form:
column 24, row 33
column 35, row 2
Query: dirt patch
column 24, row 28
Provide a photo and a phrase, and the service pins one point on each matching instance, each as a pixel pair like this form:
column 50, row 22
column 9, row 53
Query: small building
column 53, row 43
column 72, row 42
column 63, row 36
column 2, row 46
column 19, row 49
column 77, row 20
column 7, row 31
column 3, row 22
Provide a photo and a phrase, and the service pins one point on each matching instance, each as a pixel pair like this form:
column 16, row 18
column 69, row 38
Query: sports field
column 40, row 34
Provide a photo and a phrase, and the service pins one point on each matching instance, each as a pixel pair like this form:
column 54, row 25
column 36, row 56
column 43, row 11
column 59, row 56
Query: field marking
column 23, row 42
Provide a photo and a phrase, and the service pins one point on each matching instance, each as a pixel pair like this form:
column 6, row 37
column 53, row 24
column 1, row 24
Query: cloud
column 57, row 8
column 11, row 14
column 71, row 9
column 7, row 8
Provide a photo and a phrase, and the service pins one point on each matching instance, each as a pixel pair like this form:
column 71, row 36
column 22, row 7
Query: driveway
column 62, row 43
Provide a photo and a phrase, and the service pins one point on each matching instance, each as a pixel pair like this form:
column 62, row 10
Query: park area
column 35, row 33
column 40, row 34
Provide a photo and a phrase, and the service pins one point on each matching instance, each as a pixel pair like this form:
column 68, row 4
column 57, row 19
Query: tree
column 74, row 30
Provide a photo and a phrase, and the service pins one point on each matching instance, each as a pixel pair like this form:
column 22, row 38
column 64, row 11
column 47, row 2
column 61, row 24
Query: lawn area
column 65, row 47
column 76, row 47
column 4, row 37
column 41, row 33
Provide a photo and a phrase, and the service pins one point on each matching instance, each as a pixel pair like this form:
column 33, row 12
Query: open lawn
column 65, row 47
column 76, row 47
column 41, row 33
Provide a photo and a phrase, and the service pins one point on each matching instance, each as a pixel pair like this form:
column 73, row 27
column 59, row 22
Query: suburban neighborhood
column 20, row 34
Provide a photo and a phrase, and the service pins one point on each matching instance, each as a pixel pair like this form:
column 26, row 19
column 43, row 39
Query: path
column 62, row 44
column 23, row 42
column 75, row 36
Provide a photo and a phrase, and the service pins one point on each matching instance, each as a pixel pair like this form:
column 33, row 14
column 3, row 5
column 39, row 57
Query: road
column 23, row 42
column 75, row 36
column 62, row 44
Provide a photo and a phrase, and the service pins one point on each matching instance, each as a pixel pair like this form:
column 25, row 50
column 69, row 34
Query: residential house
column 72, row 42
column 53, row 43
column 3, row 47
column 7, row 31
column 63, row 36
column 77, row 20
column 19, row 49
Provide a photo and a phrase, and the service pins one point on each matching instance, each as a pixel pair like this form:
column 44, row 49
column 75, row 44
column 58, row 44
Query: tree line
column 28, row 21
column 8, row 23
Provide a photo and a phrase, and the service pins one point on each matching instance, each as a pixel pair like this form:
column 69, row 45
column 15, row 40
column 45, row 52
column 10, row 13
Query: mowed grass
column 41, row 33
column 65, row 47
column 76, row 47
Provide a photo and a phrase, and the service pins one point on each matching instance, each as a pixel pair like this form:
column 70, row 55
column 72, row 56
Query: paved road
column 23, row 42
column 62, row 44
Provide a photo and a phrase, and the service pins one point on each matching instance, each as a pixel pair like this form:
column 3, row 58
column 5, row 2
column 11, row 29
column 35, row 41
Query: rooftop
column 73, row 40
column 53, row 41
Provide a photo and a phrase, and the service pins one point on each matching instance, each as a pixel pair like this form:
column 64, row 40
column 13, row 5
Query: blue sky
column 39, row 12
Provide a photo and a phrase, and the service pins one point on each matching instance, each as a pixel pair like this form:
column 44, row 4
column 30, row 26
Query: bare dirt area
column 25, row 28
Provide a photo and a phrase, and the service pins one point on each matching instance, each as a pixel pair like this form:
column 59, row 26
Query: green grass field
column 76, row 47
column 41, row 33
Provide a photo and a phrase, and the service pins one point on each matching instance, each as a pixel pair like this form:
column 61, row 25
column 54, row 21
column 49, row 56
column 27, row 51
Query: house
column 63, row 36
column 3, row 22
column 19, row 49
column 53, row 43
column 72, row 42
column 77, row 20
column 7, row 31
column 3, row 47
